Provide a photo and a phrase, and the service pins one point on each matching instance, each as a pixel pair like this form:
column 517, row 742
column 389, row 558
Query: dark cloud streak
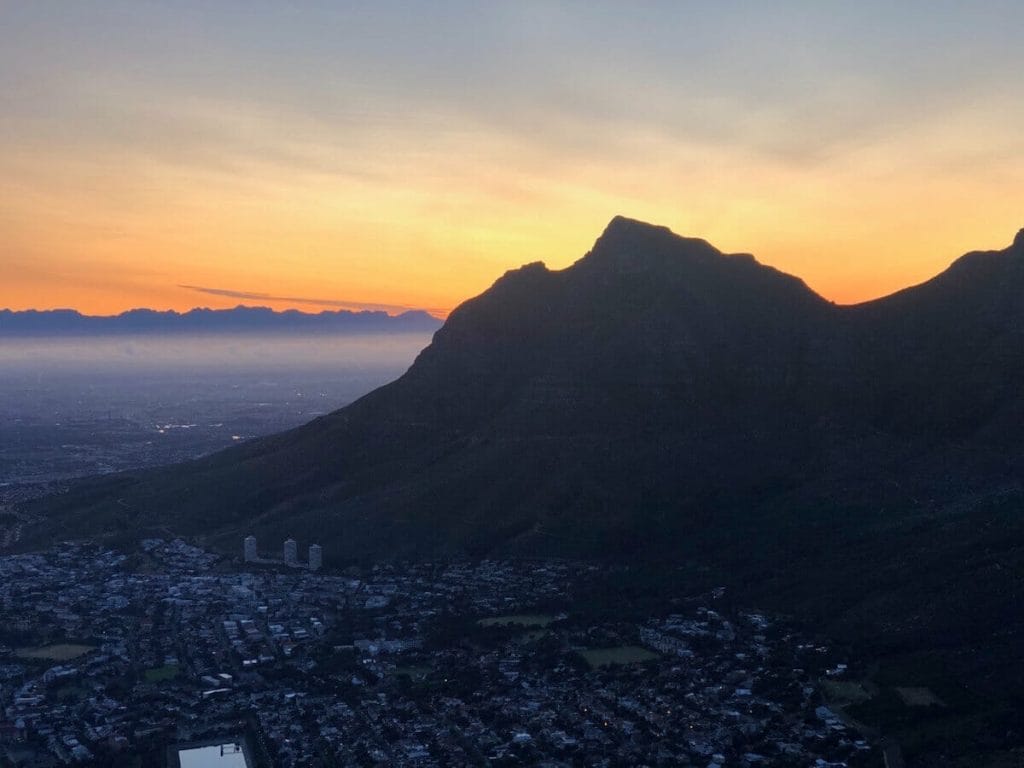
column 339, row 303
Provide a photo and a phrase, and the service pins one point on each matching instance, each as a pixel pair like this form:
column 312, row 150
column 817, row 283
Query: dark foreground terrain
column 663, row 404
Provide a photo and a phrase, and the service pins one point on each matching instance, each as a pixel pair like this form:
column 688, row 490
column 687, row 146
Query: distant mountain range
column 241, row 319
column 664, row 404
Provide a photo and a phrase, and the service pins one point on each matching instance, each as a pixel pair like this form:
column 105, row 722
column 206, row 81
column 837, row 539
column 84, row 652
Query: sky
column 393, row 155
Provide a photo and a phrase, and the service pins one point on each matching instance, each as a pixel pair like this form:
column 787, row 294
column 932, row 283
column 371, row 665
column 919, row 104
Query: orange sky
column 129, row 170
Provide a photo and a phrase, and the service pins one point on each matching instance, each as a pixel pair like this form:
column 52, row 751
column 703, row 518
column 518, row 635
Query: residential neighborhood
column 110, row 658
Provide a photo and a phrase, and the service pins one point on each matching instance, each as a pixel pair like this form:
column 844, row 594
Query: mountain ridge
column 652, row 334
column 240, row 319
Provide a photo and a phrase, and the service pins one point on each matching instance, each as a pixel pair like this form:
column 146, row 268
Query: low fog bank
column 86, row 406
column 238, row 352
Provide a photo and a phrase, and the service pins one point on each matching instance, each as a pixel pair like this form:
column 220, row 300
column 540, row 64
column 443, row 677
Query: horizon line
column 437, row 314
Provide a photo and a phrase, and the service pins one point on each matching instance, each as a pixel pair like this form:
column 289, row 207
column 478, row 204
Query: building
column 291, row 552
column 316, row 557
column 232, row 754
column 250, row 549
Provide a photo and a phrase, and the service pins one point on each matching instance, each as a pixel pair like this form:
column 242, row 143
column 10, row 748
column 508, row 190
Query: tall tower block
column 291, row 552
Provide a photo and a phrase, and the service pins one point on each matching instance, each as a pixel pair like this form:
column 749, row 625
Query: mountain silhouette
column 241, row 319
column 639, row 392
column 661, row 402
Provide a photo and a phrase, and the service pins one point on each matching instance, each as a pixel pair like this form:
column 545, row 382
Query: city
column 109, row 658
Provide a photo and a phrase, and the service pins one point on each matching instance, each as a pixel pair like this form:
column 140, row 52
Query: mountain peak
column 623, row 225
column 631, row 245
column 1018, row 241
column 624, row 231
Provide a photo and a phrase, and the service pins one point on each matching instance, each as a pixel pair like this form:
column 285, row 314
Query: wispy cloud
column 338, row 303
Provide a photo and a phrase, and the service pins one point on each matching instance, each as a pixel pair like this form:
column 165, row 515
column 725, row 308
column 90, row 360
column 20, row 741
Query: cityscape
column 289, row 556
column 173, row 652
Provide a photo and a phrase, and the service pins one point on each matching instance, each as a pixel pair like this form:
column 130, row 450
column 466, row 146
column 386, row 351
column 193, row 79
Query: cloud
column 339, row 303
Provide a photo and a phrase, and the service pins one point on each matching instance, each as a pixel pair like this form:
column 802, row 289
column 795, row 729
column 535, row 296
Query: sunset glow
column 393, row 159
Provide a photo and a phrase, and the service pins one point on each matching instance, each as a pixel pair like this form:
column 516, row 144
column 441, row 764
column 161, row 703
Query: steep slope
column 654, row 372
column 947, row 356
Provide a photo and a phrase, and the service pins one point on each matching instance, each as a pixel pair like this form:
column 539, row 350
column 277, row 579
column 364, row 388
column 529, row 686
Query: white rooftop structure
column 228, row 755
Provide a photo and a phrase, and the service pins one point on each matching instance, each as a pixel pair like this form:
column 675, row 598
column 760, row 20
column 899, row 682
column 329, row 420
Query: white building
column 250, row 549
column 316, row 557
column 291, row 552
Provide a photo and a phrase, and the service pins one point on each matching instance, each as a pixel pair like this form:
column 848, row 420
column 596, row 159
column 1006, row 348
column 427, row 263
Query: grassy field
column 531, row 635
column 159, row 674
column 843, row 692
column 919, row 697
column 56, row 652
column 519, row 619
column 623, row 654
column 413, row 671
column 72, row 692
